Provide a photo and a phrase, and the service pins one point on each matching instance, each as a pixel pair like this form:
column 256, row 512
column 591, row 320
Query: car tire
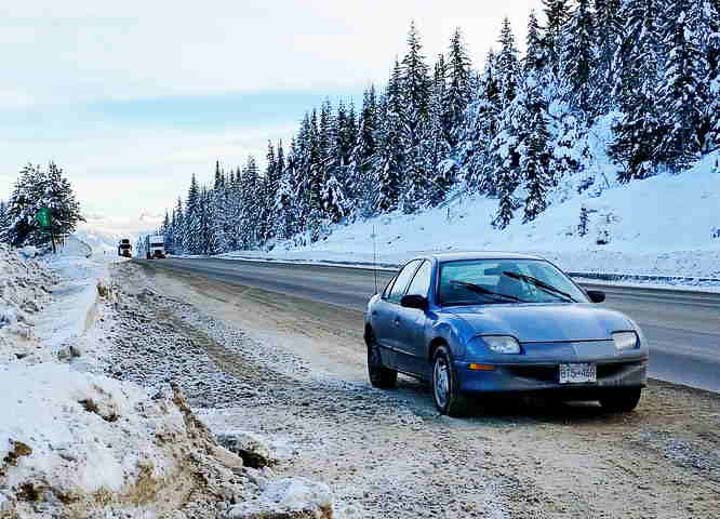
column 445, row 390
column 620, row 400
column 380, row 376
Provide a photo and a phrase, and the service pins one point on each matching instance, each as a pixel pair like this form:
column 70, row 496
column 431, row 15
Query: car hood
column 543, row 322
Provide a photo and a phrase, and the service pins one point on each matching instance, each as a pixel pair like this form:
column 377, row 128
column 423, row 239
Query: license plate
column 578, row 373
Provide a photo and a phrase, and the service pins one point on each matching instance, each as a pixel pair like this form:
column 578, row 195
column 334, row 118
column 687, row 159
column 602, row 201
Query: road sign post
column 44, row 219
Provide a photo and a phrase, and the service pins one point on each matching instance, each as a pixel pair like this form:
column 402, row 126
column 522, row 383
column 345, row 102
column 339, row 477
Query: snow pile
column 24, row 289
column 288, row 497
column 67, row 433
column 664, row 225
column 75, row 442
column 82, row 431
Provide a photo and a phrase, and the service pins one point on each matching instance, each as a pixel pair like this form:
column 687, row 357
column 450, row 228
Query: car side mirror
column 596, row 296
column 414, row 301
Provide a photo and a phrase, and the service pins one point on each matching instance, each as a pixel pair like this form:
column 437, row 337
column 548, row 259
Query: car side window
column 388, row 287
column 420, row 284
column 402, row 280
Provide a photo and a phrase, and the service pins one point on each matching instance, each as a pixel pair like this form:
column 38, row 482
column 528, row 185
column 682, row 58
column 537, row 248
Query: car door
column 385, row 317
column 410, row 327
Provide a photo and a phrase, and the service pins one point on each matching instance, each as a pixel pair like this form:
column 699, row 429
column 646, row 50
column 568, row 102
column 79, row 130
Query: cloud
column 133, row 97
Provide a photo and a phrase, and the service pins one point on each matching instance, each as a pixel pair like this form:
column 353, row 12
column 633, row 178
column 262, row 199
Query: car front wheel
column 446, row 394
column 380, row 376
column 620, row 400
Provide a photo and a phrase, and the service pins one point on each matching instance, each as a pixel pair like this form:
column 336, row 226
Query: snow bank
column 65, row 431
column 83, row 430
column 24, row 289
column 666, row 225
column 76, row 442
column 69, row 434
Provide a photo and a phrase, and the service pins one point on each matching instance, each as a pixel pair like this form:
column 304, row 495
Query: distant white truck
column 155, row 247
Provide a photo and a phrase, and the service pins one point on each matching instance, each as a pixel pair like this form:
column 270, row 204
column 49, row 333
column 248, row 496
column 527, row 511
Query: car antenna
column 374, row 258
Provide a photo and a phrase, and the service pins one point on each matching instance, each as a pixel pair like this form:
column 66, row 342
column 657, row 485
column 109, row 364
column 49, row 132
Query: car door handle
column 396, row 321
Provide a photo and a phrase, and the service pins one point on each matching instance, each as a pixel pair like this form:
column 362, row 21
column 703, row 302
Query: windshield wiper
column 484, row 291
column 537, row 283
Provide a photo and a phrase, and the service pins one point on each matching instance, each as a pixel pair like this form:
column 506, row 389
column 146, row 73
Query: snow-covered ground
column 75, row 441
column 667, row 225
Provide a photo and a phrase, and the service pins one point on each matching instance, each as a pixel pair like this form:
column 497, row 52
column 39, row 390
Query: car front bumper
column 531, row 377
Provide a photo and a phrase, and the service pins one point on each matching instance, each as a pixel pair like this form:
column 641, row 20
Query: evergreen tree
column 507, row 66
column 557, row 12
column 534, row 163
column 479, row 128
column 683, row 95
column 458, row 94
column 608, row 30
column 415, row 94
column 436, row 145
column 578, row 56
column 637, row 133
column 192, row 239
column 710, row 35
column 360, row 183
column 388, row 160
column 41, row 189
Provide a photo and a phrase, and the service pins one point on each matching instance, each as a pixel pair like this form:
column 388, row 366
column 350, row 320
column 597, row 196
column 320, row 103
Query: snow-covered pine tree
column 578, row 57
column 534, row 164
column 436, row 147
column 285, row 197
column 507, row 66
column 59, row 197
column 504, row 155
column 711, row 35
column 608, row 27
column 532, row 126
column 389, row 157
column 178, row 242
column 415, row 94
column 361, row 188
column 35, row 189
column 557, row 12
column 269, row 193
column 193, row 219
column 638, row 132
column 249, row 205
column 457, row 96
column 479, row 127
column 683, row 94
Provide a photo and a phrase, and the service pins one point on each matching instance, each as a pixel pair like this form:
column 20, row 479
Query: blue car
column 496, row 323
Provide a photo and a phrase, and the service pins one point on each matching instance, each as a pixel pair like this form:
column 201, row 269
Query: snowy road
column 683, row 327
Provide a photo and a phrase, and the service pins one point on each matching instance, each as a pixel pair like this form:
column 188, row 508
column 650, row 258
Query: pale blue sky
column 132, row 98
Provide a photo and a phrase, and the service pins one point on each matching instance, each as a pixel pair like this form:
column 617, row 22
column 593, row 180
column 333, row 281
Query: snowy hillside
column 664, row 225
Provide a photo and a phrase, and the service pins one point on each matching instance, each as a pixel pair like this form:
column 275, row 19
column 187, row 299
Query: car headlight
column 625, row 340
column 502, row 343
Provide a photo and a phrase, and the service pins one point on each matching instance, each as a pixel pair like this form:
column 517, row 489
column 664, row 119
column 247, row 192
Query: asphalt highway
column 683, row 327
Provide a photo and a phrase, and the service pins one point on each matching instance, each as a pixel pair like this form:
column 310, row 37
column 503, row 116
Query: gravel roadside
column 292, row 371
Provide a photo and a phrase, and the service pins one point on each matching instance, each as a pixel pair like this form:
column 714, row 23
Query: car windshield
column 506, row 281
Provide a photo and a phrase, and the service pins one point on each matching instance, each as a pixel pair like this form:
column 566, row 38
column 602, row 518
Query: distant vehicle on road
column 155, row 247
column 125, row 248
column 494, row 323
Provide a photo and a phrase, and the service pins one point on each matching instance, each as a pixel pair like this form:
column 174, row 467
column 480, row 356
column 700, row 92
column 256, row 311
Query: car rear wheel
column 621, row 400
column 448, row 399
column 380, row 376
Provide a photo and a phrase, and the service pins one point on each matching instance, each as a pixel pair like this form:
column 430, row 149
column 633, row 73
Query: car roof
column 444, row 257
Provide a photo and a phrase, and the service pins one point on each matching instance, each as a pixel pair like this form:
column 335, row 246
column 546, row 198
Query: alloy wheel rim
column 442, row 382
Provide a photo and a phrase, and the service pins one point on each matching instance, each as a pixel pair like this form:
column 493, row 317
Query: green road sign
column 43, row 217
